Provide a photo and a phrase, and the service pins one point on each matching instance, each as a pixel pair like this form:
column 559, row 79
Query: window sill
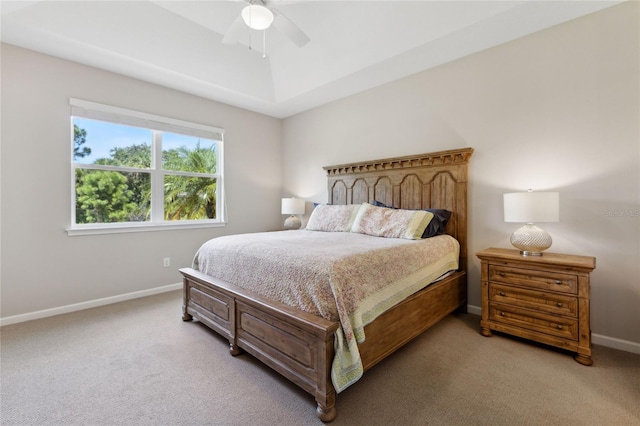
column 120, row 228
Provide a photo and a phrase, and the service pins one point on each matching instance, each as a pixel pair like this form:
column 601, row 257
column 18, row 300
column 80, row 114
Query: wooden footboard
column 294, row 343
column 299, row 345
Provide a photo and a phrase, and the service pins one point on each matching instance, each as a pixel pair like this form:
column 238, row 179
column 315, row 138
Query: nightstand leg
column 485, row 332
column 584, row 360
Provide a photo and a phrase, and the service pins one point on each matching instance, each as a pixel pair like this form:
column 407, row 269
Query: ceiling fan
column 258, row 15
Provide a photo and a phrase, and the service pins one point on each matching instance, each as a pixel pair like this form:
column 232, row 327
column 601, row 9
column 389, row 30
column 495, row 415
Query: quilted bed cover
column 341, row 276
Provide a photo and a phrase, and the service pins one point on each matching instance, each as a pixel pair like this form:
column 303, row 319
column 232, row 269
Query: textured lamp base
column 531, row 240
column 292, row 222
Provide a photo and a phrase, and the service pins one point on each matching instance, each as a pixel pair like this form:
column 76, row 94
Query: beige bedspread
column 342, row 276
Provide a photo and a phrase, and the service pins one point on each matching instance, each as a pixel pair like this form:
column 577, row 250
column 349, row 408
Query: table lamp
column 529, row 207
column 293, row 207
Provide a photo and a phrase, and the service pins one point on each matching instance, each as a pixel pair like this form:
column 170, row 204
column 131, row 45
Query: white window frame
column 157, row 124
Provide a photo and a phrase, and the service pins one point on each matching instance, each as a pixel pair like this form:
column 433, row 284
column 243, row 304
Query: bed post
column 186, row 316
column 325, row 393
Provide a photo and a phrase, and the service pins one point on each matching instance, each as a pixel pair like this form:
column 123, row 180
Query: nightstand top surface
column 580, row 262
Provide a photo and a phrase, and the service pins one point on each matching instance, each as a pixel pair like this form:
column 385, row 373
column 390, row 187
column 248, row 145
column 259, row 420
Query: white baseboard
column 612, row 342
column 86, row 305
column 596, row 339
column 476, row 310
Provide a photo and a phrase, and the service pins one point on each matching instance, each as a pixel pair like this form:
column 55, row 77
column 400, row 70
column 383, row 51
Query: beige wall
column 42, row 267
column 557, row 110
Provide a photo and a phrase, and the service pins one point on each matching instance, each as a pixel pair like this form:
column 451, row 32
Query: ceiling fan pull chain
column 264, row 44
column 250, row 23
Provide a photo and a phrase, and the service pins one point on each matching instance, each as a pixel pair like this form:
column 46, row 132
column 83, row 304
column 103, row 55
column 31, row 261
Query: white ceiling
column 355, row 45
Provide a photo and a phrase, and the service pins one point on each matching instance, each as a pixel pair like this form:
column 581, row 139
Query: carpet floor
column 138, row 363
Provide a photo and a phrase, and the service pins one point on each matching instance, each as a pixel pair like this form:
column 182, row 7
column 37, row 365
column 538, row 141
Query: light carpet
column 138, row 363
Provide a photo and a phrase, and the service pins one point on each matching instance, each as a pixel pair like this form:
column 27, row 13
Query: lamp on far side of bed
column 293, row 207
column 530, row 207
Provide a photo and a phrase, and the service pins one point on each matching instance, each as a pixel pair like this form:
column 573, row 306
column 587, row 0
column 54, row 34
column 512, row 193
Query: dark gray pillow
column 438, row 224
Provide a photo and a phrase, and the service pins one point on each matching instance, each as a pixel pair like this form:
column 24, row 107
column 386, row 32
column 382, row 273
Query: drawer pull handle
column 559, row 327
column 558, row 282
column 502, row 293
column 501, row 274
column 501, row 314
column 559, row 304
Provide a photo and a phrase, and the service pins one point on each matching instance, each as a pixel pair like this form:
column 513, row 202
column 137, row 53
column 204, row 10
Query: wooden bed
column 299, row 345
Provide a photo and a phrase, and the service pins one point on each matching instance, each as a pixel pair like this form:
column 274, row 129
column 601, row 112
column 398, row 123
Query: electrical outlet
column 166, row 262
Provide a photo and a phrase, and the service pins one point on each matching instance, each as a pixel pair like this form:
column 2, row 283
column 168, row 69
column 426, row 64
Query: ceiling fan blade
column 289, row 29
column 234, row 32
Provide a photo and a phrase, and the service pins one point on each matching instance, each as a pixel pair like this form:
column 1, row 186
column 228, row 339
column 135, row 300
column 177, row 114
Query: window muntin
column 132, row 169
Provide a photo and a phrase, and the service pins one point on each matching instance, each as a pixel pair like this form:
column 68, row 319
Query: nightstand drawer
column 540, row 279
column 537, row 321
column 552, row 303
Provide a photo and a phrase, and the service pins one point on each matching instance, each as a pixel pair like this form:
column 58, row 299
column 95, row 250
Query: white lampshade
column 529, row 207
column 257, row 17
column 293, row 206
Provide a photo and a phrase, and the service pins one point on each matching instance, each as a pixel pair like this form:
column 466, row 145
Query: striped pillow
column 391, row 223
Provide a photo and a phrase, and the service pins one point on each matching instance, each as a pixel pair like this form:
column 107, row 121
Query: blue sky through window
column 103, row 136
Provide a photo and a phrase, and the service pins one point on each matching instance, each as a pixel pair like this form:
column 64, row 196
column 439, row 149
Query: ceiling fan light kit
column 257, row 17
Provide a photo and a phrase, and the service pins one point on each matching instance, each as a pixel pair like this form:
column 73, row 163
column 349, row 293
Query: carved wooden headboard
column 432, row 180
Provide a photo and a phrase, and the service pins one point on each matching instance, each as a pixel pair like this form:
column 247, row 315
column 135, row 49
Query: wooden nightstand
column 541, row 298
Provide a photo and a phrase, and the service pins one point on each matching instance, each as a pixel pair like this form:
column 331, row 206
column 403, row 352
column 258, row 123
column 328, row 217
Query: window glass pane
column 101, row 142
column 106, row 196
column 189, row 198
column 188, row 153
column 127, row 163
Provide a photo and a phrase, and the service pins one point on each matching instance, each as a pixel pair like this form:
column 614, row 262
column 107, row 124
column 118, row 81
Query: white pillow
column 332, row 218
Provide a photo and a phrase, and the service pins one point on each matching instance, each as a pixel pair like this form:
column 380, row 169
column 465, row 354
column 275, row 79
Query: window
column 133, row 171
